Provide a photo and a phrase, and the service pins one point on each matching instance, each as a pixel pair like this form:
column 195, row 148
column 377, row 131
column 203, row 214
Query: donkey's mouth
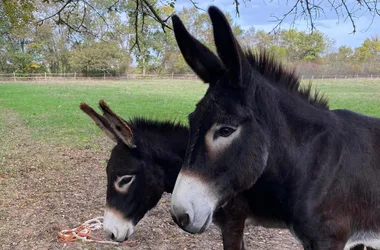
column 196, row 230
column 206, row 225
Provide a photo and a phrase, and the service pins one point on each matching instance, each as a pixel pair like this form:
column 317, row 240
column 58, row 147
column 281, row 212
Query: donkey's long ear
column 202, row 60
column 119, row 126
column 99, row 120
column 227, row 46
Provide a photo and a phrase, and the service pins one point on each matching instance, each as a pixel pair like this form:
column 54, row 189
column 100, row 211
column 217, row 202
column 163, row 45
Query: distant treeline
column 110, row 47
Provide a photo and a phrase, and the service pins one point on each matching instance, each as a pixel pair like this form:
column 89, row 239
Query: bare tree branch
column 112, row 6
column 309, row 14
column 195, row 4
column 99, row 14
column 312, row 11
column 136, row 43
column 279, row 21
column 157, row 17
column 350, row 16
column 236, row 2
column 40, row 22
column 309, row 10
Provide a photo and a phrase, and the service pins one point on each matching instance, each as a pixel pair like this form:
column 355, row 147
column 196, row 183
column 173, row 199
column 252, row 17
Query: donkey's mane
column 175, row 135
column 280, row 76
column 161, row 127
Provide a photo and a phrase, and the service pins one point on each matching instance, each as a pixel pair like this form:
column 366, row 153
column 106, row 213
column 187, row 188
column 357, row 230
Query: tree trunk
column 143, row 65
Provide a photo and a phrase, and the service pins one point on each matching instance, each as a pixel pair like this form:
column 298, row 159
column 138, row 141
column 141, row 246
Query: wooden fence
column 16, row 77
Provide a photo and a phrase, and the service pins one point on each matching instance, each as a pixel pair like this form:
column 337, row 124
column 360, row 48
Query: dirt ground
column 46, row 187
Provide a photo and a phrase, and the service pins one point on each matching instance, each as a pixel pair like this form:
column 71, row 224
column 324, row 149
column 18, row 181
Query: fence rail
column 353, row 76
column 80, row 77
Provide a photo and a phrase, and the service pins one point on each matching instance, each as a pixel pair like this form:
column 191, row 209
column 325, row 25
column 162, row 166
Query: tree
column 343, row 55
column 345, row 52
column 369, row 50
column 15, row 52
column 15, row 37
column 248, row 38
column 16, row 13
column 263, row 39
column 291, row 44
column 99, row 58
column 52, row 47
column 311, row 45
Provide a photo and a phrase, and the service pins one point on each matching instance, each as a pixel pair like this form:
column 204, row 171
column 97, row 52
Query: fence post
column 323, row 77
column 45, row 77
column 14, row 76
column 75, row 75
column 371, row 76
column 172, row 75
column 104, row 75
column 357, row 76
column 335, row 78
column 312, row 77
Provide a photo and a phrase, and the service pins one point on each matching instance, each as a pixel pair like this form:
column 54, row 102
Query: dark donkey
column 143, row 165
column 258, row 131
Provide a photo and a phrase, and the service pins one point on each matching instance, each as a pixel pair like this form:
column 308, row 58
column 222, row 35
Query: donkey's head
column 134, row 183
column 228, row 147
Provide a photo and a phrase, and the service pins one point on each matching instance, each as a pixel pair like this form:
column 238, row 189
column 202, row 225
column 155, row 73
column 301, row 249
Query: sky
column 259, row 14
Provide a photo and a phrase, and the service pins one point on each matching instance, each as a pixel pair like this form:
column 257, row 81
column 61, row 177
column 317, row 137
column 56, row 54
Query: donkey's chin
column 116, row 226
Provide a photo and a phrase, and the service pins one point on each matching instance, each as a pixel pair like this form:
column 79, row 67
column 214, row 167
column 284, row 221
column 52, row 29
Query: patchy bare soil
column 44, row 188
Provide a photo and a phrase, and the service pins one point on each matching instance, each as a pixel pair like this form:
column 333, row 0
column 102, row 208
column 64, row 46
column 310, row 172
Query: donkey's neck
column 293, row 123
column 294, row 119
column 166, row 144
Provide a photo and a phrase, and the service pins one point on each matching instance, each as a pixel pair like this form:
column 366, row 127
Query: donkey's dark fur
column 258, row 132
column 155, row 161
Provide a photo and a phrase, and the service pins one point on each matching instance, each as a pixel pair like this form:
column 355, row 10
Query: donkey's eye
column 122, row 183
column 225, row 131
column 125, row 180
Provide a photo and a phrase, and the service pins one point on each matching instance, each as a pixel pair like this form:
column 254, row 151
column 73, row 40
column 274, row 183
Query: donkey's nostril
column 181, row 216
column 112, row 236
column 184, row 220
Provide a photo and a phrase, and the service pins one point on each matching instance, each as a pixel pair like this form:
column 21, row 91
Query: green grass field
column 51, row 111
